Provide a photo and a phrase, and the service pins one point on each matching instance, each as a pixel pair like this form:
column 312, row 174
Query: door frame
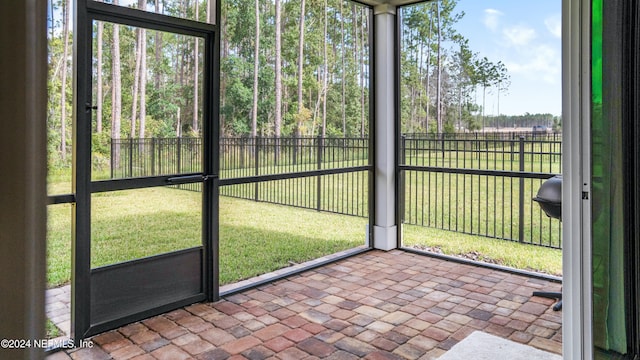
column 87, row 11
column 576, row 137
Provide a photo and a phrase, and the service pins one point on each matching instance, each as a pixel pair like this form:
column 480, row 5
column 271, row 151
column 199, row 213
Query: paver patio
column 376, row 305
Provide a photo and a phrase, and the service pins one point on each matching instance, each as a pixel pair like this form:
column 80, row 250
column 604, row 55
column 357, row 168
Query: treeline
column 527, row 120
column 298, row 67
column 288, row 68
column 295, row 67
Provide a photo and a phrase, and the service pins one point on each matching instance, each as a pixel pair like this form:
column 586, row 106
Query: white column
column 23, row 95
column 385, row 229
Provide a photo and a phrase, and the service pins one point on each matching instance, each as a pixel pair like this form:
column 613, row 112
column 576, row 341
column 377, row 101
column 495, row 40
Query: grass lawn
column 255, row 238
column 507, row 253
column 482, row 205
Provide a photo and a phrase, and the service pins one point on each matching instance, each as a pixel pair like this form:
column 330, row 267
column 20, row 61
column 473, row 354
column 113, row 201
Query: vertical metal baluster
column 521, row 193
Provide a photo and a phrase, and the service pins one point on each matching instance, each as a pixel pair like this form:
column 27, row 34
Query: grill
column 549, row 198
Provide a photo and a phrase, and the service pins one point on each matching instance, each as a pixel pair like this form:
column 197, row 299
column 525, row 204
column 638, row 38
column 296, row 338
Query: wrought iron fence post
column 130, row 157
column 112, row 154
column 521, row 194
column 179, row 156
column 159, row 147
column 276, row 151
column 243, row 143
column 256, row 161
column 319, row 182
column 401, row 189
column 403, row 150
column 153, row 156
column 296, row 143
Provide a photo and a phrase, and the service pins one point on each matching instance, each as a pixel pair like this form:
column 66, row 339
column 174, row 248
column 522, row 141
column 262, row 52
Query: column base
column 385, row 238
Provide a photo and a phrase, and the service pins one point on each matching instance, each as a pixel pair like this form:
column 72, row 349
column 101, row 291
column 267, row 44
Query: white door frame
column 576, row 168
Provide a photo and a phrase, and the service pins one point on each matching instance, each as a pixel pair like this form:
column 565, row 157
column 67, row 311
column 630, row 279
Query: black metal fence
column 481, row 185
column 343, row 192
column 155, row 156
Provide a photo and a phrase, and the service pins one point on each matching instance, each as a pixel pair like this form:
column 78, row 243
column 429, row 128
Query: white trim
column 576, row 58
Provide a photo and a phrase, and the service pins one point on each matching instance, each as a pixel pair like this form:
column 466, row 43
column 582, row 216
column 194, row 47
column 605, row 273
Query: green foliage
column 557, row 125
column 101, row 151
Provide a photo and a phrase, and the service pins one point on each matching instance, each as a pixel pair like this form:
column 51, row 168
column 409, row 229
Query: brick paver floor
column 377, row 305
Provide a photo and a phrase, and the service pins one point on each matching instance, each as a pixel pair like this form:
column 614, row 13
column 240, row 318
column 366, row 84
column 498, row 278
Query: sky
column 526, row 37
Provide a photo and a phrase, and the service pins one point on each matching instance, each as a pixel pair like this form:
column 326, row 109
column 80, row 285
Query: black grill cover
column 550, row 197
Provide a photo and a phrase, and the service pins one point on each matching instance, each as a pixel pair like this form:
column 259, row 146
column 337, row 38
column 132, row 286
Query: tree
column 63, row 99
column 464, row 75
column 278, row 70
column 301, row 115
column 116, row 91
column 143, row 82
column 502, row 80
column 439, row 76
column 136, row 78
column 196, row 75
column 364, row 27
column 485, row 76
column 325, row 70
column 99, row 79
column 343, row 71
column 256, row 69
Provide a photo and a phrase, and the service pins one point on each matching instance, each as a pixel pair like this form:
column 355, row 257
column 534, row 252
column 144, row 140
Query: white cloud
column 492, row 18
column 519, row 35
column 542, row 62
column 554, row 25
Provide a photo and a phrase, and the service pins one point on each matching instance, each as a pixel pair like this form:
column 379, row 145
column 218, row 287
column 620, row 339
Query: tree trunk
column 420, row 69
column 195, row 77
column 343, row 70
column 498, row 123
column 324, row 75
column 316, row 108
column 63, row 98
column 256, row 69
column 99, row 80
column 484, row 96
column 428, row 70
column 439, row 75
column 300, row 68
column 223, row 78
column 365, row 24
column 278, row 71
column 412, row 90
column 136, row 83
column 116, row 92
column 158, row 46
column 356, row 45
column 143, row 82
